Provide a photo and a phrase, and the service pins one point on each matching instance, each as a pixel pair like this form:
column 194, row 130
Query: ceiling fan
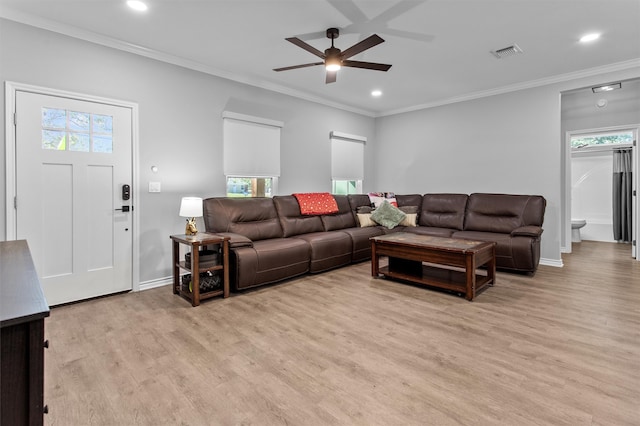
column 334, row 58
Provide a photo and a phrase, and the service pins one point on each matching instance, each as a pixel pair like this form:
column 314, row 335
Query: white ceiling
column 439, row 49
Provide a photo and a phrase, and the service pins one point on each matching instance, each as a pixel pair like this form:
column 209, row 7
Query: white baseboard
column 552, row 262
column 158, row 282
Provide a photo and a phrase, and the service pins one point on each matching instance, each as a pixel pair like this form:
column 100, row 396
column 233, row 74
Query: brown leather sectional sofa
column 272, row 241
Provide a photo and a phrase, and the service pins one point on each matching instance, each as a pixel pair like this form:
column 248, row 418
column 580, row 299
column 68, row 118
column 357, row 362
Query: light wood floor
column 340, row 348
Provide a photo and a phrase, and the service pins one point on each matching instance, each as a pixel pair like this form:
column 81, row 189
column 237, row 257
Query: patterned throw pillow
column 377, row 198
column 316, row 203
column 388, row 215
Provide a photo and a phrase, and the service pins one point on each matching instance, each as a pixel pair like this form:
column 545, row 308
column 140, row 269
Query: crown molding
column 68, row 30
column 75, row 32
column 560, row 78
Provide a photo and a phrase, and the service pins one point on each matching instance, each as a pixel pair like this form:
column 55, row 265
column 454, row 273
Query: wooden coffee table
column 446, row 263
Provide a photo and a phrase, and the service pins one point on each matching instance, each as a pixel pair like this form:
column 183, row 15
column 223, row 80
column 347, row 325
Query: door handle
column 124, row 209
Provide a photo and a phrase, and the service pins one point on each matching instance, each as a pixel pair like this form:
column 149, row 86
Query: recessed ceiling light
column 137, row 5
column 376, row 93
column 607, row 87
column 589, row 37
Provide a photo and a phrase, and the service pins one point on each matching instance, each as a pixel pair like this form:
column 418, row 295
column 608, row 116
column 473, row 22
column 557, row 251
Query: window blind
column 251, row 146
column 347, row 156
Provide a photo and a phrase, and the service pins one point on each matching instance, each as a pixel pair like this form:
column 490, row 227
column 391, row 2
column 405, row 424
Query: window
column 65, row 130
column 347, row 163
column 251, row 155
column 598, row 141
column 346, row 187
column 249, row 187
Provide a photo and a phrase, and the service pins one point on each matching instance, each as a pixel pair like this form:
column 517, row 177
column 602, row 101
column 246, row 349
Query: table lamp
column 191, row 207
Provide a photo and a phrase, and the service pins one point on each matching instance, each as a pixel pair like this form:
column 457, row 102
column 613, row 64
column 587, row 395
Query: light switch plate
column 155, row 187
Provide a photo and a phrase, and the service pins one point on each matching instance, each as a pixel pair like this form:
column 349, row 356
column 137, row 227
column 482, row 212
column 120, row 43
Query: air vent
column 507, row 51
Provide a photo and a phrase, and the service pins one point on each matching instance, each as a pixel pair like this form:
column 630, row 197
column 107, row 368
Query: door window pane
column 79, row 142
column 54, row 118
column 78, row 131
column 54, row 139
column 79, row 121
column 102, row 143
column 102, row 123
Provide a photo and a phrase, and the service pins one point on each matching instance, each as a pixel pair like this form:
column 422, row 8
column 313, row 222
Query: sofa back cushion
column 443, row 211
column 358, row 200
column 255, row 218
column 291, row 220
column 341, row 220
column 503, row 212
column 409, row 200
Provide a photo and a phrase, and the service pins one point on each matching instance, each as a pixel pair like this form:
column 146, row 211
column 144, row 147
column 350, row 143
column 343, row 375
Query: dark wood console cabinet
column 23, row 309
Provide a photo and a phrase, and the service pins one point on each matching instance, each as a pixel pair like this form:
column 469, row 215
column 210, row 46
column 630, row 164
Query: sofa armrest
column 236, row 240
column 527, row 231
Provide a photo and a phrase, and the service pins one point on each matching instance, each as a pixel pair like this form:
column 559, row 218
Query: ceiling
column 439, row 49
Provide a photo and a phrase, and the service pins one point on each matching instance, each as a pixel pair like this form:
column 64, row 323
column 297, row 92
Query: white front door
column 72, row 159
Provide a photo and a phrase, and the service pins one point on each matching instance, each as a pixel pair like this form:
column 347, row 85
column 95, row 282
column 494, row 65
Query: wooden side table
column 195, row 242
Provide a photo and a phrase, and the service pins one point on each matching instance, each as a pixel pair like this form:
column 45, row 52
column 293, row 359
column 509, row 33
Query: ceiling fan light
column 332, row 63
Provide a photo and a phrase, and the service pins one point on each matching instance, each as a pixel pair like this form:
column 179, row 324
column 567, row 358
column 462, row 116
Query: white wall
column 591, row 194
column 509, row 143
column 180, row 126
column 500, row 144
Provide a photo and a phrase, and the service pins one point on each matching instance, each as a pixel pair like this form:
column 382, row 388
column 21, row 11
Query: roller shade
column 251, row 146
column 347, row 156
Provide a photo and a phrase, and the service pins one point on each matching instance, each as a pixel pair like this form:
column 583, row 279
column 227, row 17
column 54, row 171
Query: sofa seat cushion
column 516, row 253
column 327, row 249
column 269, row 261
column 432, row 231
column 360, row 241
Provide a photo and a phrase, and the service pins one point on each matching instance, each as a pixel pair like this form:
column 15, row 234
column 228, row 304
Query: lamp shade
column 191, row 207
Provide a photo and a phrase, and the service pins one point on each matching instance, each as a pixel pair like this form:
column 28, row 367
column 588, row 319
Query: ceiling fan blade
column 410, row 35
column 305, row 46
column 293, row 67
column 365, row 44
column 349, row 10
column 367, row 65
column 331, row 77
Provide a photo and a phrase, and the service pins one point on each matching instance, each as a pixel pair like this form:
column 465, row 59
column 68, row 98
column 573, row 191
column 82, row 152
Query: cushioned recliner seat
column 328, row 250
column 259, row 254
column 514, row 222
column 268, row 261
column 344, row 221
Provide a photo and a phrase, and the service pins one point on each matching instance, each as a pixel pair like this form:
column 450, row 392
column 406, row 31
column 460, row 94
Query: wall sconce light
column 191, row 207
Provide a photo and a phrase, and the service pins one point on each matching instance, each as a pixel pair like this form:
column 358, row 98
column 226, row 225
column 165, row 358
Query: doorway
column 70, row 194
column 592, row 109
column 589, row 177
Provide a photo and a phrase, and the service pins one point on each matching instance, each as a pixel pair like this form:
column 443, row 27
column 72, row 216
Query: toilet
column 576, row 224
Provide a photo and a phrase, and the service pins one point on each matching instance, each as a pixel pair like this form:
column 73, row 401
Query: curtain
column 622, row 195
